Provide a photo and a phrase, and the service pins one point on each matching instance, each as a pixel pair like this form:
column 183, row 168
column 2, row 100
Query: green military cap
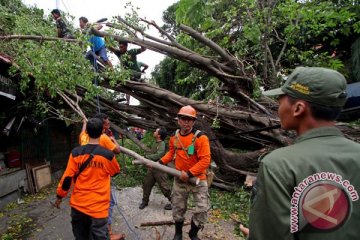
column 314, row 84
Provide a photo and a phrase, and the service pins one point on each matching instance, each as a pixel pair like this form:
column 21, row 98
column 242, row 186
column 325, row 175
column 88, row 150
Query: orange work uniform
column 91, row 192
column 196, row 163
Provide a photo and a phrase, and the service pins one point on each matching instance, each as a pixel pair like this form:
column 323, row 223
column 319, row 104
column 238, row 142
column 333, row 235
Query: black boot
column 194, row 231
column 178, row 230
column 143, row 205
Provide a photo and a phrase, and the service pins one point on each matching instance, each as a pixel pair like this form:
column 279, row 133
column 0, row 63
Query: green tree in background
column 274, row 36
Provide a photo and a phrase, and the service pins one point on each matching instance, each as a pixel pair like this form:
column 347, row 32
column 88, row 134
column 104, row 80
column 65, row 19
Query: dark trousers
column 154, row 176
column 85, row 227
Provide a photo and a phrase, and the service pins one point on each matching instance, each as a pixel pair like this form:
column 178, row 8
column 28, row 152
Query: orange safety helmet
column 188, row 111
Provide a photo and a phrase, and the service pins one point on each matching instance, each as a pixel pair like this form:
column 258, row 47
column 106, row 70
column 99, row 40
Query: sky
column 94, row 10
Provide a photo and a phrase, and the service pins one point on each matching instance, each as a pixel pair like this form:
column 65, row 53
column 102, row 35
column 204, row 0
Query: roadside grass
column 230, row 205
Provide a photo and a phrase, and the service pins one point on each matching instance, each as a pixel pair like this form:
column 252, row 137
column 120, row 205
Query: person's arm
column 114, row 50
column 109, row 143
column 144, row 66
column 270, row 207
column 83, row 137
column 66, row 181
column 116, row 150
column 170, row 154
column 140, row 50
column 159, row 153
column 113, row 167
column 83, row 129
column 98, row 27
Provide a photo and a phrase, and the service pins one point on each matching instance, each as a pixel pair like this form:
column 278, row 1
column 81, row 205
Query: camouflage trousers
column 154, row 176
column 179, row 198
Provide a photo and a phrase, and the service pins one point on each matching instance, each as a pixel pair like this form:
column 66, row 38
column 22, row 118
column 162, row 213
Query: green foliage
column 170, row 20
column 188, row 11
column 314, row 33
column 226, row 205
column 19, row 227
column 131, row 175
column 49, row 66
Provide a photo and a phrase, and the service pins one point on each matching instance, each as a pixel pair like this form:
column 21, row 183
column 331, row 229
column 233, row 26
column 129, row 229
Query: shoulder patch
column 173, row 133
column 106, row 153
column 201, row 133
column 89, row 148
column 80, row 150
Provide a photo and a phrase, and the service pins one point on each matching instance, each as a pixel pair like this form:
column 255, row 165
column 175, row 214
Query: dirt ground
column 51, row 223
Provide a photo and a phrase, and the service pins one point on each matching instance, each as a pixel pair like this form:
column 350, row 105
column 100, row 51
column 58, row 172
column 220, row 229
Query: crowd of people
column 92, row 164
column 98, row 48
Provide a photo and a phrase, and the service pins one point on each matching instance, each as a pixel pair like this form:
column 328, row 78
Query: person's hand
column 112, row 139
column 109, row 133
column 148, row 165
column 57, row 203
column 244, row 230
column 184, row 176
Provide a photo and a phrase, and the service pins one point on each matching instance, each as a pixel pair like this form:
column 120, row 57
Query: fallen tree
column 239, row 132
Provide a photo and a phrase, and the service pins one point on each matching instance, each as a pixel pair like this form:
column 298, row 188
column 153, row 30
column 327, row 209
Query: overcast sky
column 94, row 10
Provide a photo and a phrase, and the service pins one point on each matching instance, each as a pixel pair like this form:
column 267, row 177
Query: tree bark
column 141, row 160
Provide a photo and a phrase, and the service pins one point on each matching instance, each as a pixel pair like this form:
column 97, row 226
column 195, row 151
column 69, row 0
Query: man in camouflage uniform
column 154, row 176
column 62, row 29
column 190, row 149
column 308, row 190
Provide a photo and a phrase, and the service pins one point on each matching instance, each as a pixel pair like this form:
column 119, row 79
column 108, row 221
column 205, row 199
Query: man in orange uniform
column 190, row 149
column 91, row 193
column 107, row 141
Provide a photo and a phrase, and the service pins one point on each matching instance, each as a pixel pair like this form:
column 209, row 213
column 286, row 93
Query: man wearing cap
column 309, row 190
column 190, row 149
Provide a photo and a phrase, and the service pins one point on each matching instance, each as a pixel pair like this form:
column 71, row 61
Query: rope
column 124, row 216
column 96, row 78
column 112, row 190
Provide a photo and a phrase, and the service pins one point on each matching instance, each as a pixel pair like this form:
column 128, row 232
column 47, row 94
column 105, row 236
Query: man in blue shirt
column 98, row 48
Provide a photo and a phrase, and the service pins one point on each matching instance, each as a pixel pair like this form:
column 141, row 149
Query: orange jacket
column 104, row 141
column 196, row 163
column 91, row 192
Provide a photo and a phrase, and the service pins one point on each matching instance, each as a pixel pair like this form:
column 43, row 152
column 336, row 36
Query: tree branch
column 37, row 38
